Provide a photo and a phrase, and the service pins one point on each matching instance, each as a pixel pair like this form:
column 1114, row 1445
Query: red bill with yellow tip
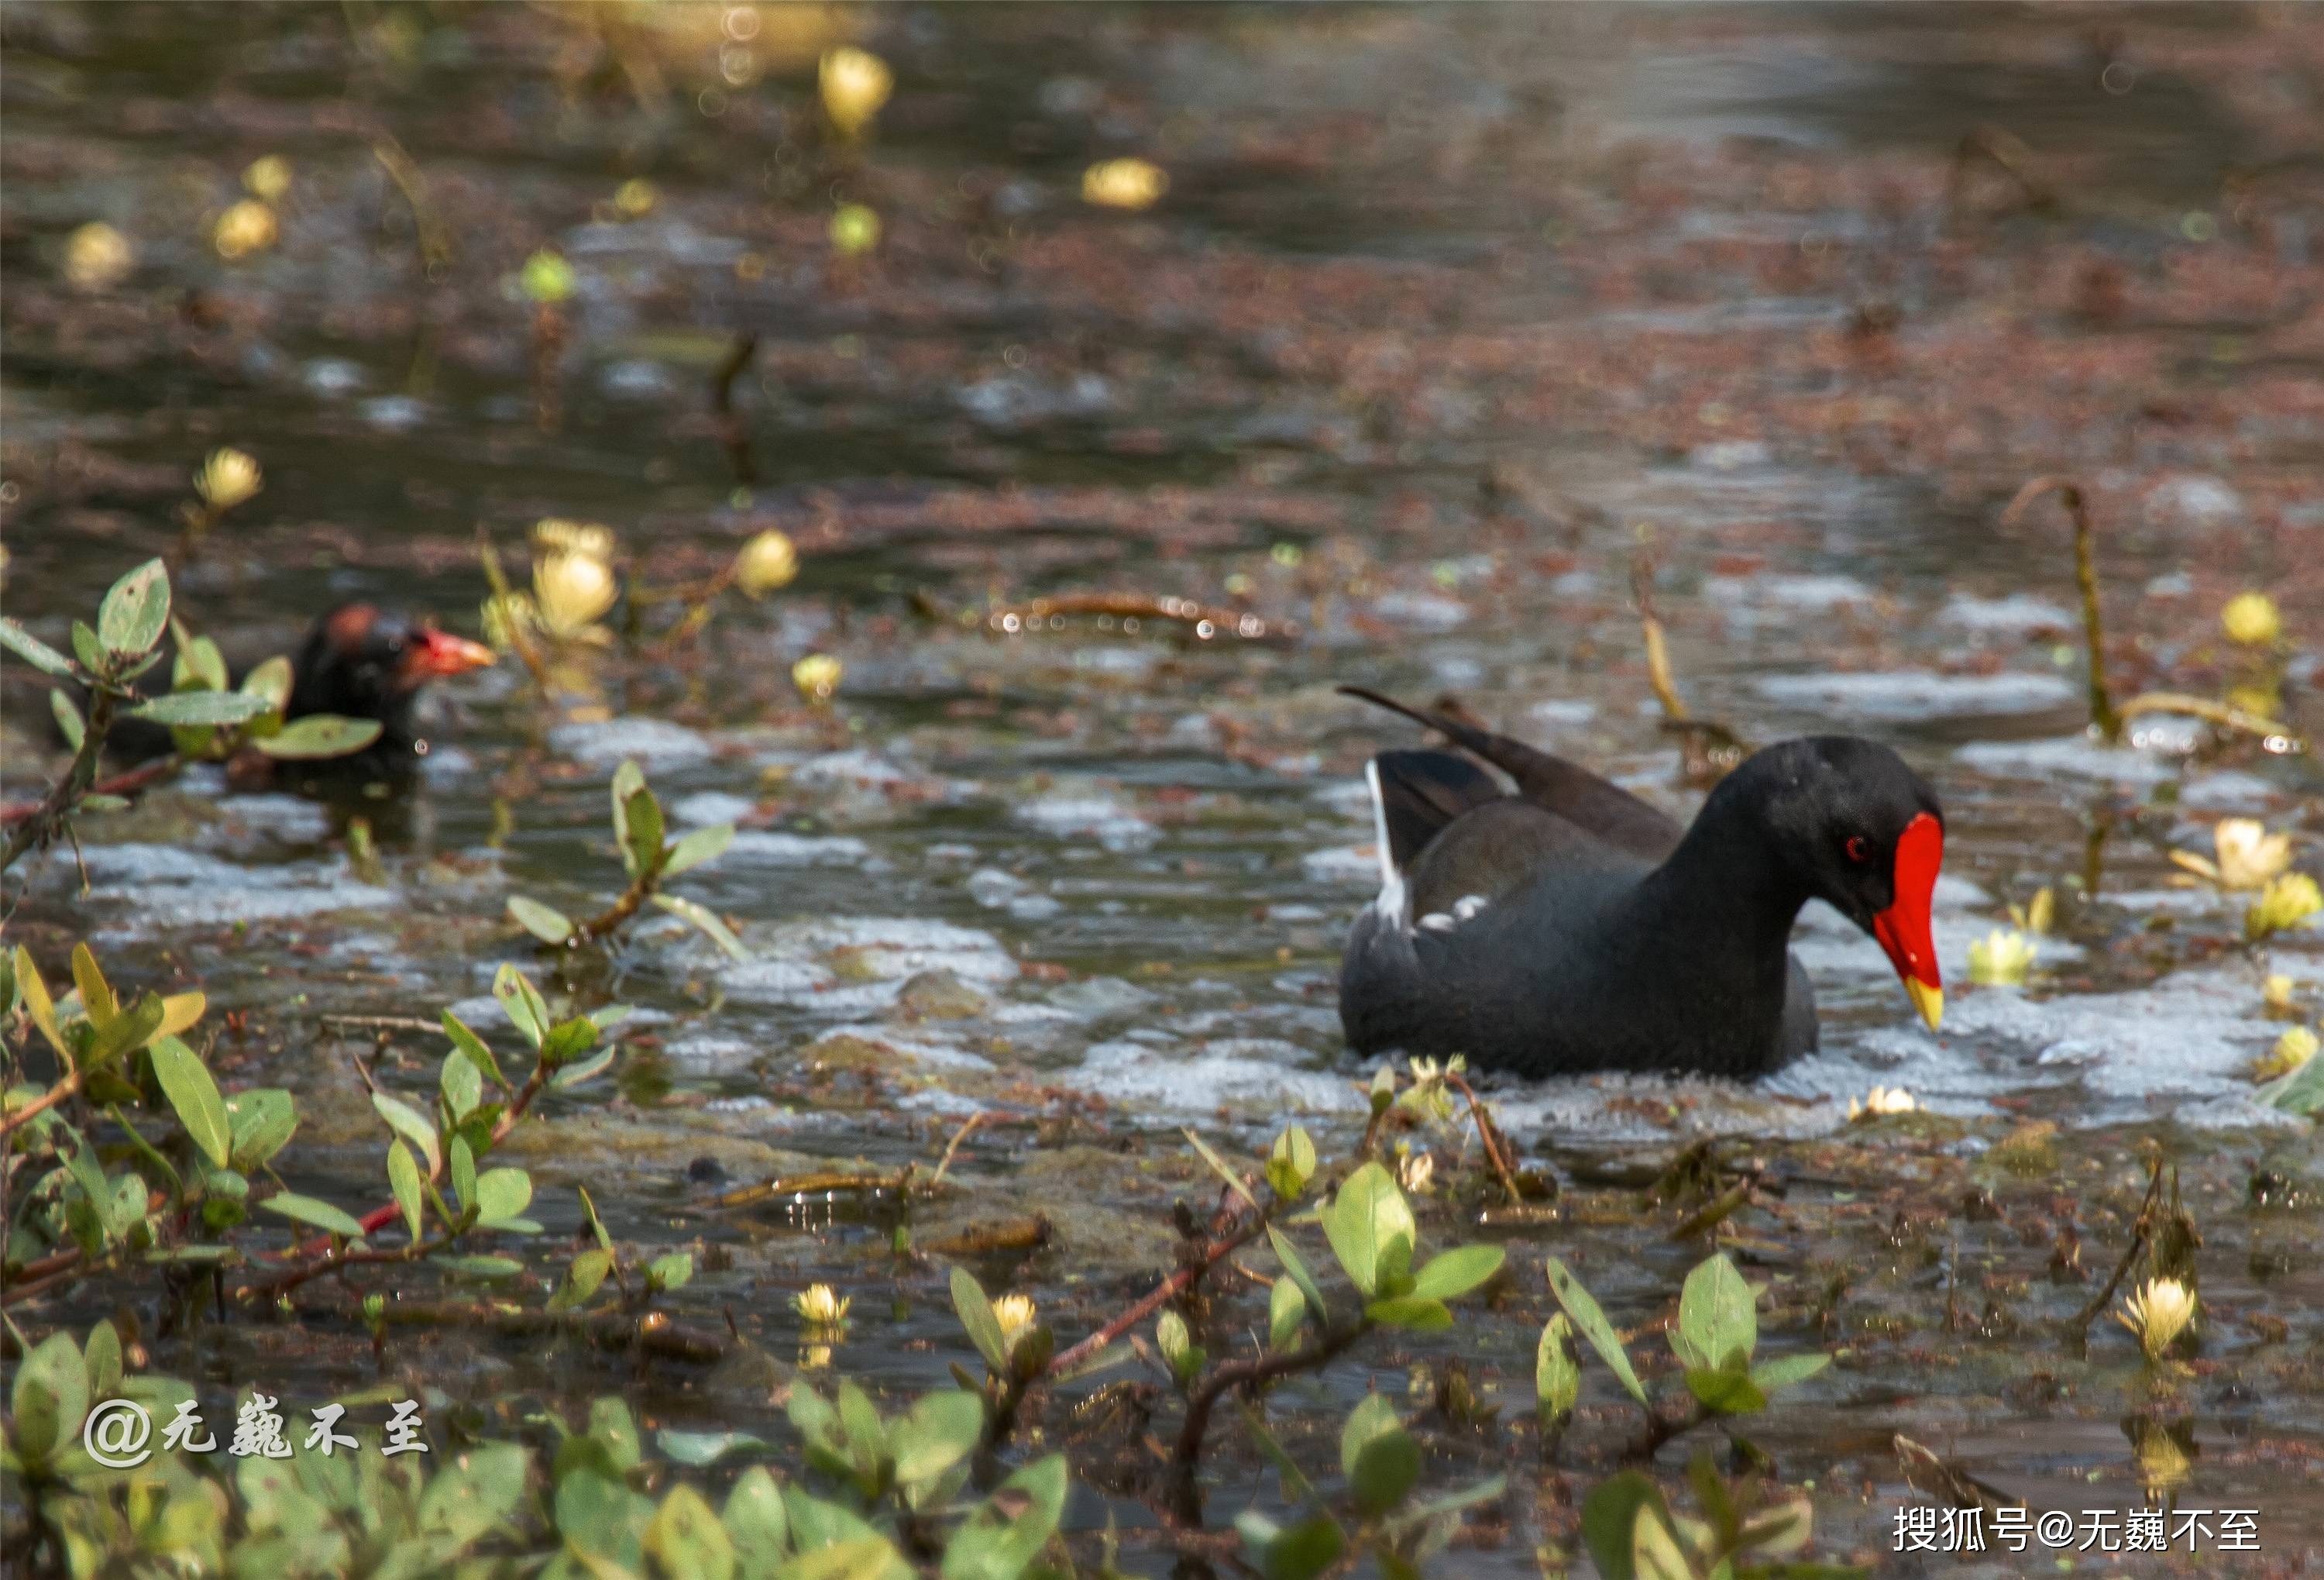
column 1903, row 929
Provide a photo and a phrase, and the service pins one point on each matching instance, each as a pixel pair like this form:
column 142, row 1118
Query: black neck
column 1725, row 900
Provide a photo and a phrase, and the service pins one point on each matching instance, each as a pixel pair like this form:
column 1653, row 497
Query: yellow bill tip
column 1929, row 1001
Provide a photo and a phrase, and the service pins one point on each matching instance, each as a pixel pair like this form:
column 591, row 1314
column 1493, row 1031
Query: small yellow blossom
column 821, row 1305
column 507, row 619
column 1124, row 183
column 855, row 83
column 245, row 228
column 2251, row 618
column 268, row 179
column 766, row 562
column 2286, row 902
column 1880, row 1101
column 2295, row 1048
column 1015, row 1314
column 1416, row 1168
column 2158, row 1314
column 2001, row 958
column 2248, row 855
column 556, row 535
column 635, row 197
column 228, row 478
column 2276, row 992
column 97, row 257
column 2037, row 914
column 818, row 677
column 546, row 278
column 571, row 591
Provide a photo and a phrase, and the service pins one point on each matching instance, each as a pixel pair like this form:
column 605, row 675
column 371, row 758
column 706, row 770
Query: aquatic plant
column 2252, row 619
column 854, row 83
column 1127, row 183
column 2158, row 1314
column 652, row 859
column 2248, row 856
column 818, row 677
column 2285, row 902
column 205, row 716
column 2002, row 959
column 1881, row 1102
column 97, row 257
column 1631, row 1530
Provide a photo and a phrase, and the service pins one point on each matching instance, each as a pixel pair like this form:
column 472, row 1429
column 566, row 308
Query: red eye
column 1857, row 849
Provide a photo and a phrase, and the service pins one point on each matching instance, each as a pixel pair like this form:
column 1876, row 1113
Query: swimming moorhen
column 1572, row 927
column 358, row 661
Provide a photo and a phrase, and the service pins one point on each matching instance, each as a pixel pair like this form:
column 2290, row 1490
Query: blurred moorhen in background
column 361, row 662
column 1572, row 927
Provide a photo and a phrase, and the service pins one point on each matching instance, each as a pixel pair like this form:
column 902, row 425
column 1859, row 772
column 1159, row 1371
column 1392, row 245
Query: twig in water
column 733, row 433
column 1489, row 1133
column 2142, row 1232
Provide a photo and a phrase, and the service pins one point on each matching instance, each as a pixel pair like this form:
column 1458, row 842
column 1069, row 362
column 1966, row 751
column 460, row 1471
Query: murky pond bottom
column 1704, row 292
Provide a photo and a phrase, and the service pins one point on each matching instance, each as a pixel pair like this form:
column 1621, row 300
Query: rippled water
column 1446, row 313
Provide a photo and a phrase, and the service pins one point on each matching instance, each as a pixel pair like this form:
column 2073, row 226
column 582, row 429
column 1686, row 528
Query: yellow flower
column 245, row 228
column 268, row 179
column 2286, row 902
column 2001, row 958
column 505, row 619
column 556, row 535
column 1124, row 183
column 767, row 562
column 1015, row 1314
column 855, row 83
column 2158, row 1314
column 2037, row 914
column 635, row 197
column 815, row 1357
column 97, row 257
column 228, row 478
column 821, row 1305
column 818, row 677
column 2295, row 1048
column 570, row 592
column 1415, row 1170
column 546, row 279
column 1880, row 1101
column 2276, row 992
column 2248, row 855
column 2251, row 618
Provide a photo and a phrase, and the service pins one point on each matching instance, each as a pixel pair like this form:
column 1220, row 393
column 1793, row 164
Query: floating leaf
column 700, row 1448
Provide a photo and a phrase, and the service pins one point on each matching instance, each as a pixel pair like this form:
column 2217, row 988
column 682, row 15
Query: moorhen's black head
column 1862, row 832
column 367, row 662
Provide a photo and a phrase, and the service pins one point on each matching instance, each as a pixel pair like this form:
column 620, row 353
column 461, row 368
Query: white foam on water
column 704, row 809
column 1260, row 1073
column 1900, row 696
column 2077, row 756
column 654, row 743
column 2014, row 613
column 170, row 887
column 855, row 965
column 933, row 1052
column 1354, row 865
column 773, row 849
column 1094, row 817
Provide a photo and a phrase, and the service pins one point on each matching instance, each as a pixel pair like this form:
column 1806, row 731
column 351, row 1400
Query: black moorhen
column 361, row 662
column 1572, row 927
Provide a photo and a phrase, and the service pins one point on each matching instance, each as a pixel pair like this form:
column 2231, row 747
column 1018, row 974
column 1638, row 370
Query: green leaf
column 629, row 781
column 1296, row 1266
column 319, row 735
column 69, row 720
column 1787, row 1369
column 1009, row 1529
column 703, row 845
column 684, row 1537
column 270, row 682
column 1609, row 1516
column 1291, row 1163
column 403, row 1178
column 462, row 1161
column 1655, row 1551
column 1729, row 1391
column 48, row 1400
column 588, row 1069
column 1296, row 1552
column 583, row 1279
column 602, row 1519
column 545, row 922
column 478, row 1492
column 1218, row 1167
column 199, row 707
column 1410, row 1312
column 700, row 1448
column 523, row 1003
column 1717, row 1325
column 1592, row 1321
column 319, row 1215
column 264, row 1120
column 91, row 652
column 462, row 1084
column 1556, row 1377
column 36, row 652
column 187, row 1083
column 1377, row 1455
column 754, row 1519
column 131, row 1028
column 1371, row 1230
column 102, row 1361
column 974, row 1308
column 1287, row 1312
column 671, row 1271
column 501, row 1194
column 642, row 823
column 704, row 919
column 413, row 1126
column 1457, row 1271
column 479, row 1053
column 200, row 665
column 1183, row 1356
column 942, row 1430
column 481, row 1266
column 567, row 1038
column 135, row 613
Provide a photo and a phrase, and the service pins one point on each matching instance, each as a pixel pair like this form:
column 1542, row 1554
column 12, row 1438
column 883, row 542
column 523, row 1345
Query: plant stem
column 2104, row 715
column 1168, row 1290
column 42, row 1103
column 1184, row 1494
column 42, row 825
column 1488, row 1134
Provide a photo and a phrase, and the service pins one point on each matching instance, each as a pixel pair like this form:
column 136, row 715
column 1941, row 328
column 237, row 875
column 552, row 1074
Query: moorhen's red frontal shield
column 1903, row 929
